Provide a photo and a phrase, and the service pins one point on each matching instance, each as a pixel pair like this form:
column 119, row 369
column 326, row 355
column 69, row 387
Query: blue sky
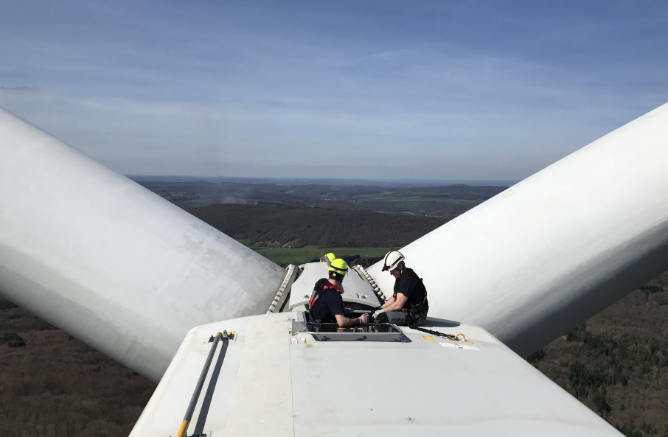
column 347, row 89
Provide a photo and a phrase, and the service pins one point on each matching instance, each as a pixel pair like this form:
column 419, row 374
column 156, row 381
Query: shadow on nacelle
column 433, row 322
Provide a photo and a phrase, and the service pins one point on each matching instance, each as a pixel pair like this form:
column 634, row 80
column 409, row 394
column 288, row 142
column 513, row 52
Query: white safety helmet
column 392, row 260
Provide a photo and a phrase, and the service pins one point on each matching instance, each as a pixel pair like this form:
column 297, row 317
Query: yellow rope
column 460, row 341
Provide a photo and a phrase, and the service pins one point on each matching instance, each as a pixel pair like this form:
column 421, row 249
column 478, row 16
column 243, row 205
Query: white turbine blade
column 108, row 261
column 557, row 248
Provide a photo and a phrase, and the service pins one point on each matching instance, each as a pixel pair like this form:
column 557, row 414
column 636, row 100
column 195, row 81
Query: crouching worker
column 326, row 303
column 409, row 304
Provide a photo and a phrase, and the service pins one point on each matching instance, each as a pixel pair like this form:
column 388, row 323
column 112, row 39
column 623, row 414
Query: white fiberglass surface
column 355, row 289
column 111, row 263
column 276, row 382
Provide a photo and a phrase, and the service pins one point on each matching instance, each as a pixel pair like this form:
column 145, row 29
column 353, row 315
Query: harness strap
column 315, row 295
column 414, row 309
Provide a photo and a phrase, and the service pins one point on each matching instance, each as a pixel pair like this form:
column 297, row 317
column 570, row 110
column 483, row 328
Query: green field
column 418, row 198
column 305, row 254
column 419, row 204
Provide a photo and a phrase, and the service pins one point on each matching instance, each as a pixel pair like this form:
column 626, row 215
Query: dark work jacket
column 411, row 286
column 326, row 301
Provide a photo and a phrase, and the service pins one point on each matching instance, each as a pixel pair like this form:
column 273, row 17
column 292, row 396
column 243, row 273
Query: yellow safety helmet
column 327, row 258
column 338, row 266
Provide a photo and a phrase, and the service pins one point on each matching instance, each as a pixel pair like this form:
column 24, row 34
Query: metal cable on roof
column 200, row 384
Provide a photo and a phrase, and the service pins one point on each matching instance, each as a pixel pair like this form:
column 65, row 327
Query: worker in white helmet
column 408, row 305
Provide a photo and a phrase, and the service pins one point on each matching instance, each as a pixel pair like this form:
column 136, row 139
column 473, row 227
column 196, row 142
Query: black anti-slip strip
column 204, row 412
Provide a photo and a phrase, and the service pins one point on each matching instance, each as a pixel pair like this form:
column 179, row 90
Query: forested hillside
column 302, row 226
column 52, row 385
column 617, row 362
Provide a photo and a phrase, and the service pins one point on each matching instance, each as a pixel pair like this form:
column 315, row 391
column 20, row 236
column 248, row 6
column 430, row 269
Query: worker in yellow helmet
column 326, row 303
column 327, row 258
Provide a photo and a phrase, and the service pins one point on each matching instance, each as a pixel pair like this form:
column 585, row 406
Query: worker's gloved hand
column 377, row 313
column 364, row 318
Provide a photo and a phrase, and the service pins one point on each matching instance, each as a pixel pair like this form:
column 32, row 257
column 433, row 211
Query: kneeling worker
column 410, row 294
column 326, row 303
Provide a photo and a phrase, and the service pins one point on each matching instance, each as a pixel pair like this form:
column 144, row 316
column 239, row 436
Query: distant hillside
column 302, row 226
column 442, row 201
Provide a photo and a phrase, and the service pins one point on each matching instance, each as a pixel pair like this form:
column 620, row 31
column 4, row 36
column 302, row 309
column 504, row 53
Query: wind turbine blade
column 558, row 247
column 106, row 260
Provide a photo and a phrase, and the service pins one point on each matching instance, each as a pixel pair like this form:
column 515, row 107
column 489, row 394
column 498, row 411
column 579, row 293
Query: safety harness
column 321, row 287
column 414, row 309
